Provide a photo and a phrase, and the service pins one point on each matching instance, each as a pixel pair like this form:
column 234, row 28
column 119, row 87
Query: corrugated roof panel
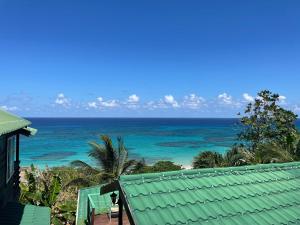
column 259, row 194
column 102, row 202
column 17, row 214
column 10, row 122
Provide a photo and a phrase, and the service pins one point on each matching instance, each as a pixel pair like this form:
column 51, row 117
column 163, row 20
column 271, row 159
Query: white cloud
column 132, row 102
column 92, row 105
column 248, row 97
column 9, row 108
column 170, row 100
column 193, row 101
column 151, row 105
column 110, row 103
column 133, row 98
column 296, row 108
column 225, row 98
column 101, row 104
column 282, row 99
column 62, row 100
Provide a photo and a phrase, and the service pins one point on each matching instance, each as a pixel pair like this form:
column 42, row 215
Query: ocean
column 62, row 140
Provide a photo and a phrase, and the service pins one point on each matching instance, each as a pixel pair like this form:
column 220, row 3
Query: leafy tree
column 139, row 166
column 112, row 161
column 163, row 166
column 266, row 121
column 297, row 151
column 208, row 159
column 160, row 166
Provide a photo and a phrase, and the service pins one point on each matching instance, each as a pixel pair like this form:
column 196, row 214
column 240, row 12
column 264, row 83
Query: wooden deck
column 103, row 219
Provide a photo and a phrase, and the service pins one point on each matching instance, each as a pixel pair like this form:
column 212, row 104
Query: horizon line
column 85, row 117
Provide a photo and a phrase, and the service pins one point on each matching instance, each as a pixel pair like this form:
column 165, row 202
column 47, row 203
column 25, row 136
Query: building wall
column 2, row 161
column 8, row 191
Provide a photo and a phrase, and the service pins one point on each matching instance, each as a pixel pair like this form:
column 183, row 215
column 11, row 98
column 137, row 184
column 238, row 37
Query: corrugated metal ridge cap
column 157, row 176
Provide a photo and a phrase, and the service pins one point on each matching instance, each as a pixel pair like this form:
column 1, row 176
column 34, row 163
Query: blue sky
column 146, row 58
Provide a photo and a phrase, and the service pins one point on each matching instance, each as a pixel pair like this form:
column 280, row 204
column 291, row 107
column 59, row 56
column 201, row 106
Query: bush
column 208, row 159
column 160, row 166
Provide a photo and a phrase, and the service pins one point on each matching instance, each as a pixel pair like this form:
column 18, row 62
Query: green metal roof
column 17, row 214
column 10, row 122
column 259, row 194
column 101, row 203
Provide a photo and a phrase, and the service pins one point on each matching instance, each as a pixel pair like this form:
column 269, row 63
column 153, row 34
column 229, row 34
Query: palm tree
column 111, row 161
column 238, row 156
column 207, row 159
column 271, row 153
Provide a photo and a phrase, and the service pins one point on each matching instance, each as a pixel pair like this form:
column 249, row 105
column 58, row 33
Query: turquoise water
column 61, row 140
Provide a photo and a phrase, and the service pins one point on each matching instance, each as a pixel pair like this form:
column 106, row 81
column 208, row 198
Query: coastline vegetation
column 268, row 135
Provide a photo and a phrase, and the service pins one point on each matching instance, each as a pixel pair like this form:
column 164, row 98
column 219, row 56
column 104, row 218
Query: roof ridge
column 218, row 186
column 153, row 177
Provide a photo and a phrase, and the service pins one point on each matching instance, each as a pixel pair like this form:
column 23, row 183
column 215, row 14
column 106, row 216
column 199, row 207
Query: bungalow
column 11, row 212
column 256, row 194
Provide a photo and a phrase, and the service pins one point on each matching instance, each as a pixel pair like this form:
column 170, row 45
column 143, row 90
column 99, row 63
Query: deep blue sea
column 61, row 140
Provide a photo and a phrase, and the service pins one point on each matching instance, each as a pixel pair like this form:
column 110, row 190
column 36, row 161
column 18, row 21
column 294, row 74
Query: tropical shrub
column 208, row 159
column 160, row 166
column 40, row 188
column 44, row 188
column 238, row 156
column 272, row 153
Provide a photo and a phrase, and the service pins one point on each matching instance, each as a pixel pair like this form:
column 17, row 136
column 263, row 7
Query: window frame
column 11, row 152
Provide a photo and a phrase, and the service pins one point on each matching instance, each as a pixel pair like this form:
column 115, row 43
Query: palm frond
column 127, row 165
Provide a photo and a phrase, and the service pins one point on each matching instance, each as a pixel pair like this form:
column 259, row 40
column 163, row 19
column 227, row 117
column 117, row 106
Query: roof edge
column 204, row 171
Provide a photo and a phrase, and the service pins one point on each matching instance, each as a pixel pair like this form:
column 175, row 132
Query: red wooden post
column 120, row 217
column 93, row 216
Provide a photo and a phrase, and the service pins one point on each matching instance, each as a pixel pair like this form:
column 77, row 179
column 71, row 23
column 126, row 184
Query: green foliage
column 113, row 161
column 53, row 191
column 238, row 156
column 41, row 188
column 66, row 212
column 272, row 153
column 160, row 166
column 268, row 135
column 297, row 151
column 207, row 159
column 266, row 121
column 44, row 188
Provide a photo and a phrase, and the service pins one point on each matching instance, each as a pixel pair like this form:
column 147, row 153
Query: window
column 11, row 157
